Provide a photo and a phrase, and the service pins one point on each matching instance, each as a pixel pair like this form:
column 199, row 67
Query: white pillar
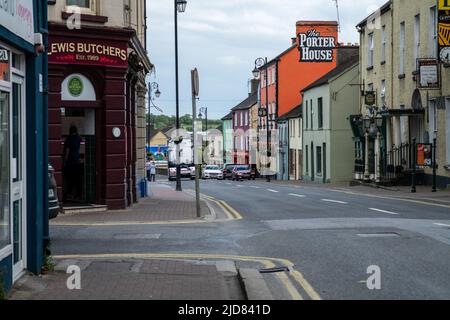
column 378, row 158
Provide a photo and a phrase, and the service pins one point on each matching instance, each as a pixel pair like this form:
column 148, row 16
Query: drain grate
column 378, row 235
column 274, row 270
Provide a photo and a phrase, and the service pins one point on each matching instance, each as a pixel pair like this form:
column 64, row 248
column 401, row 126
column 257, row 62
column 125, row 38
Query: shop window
column 320, row 112
column 4, row 65
column 5, row 235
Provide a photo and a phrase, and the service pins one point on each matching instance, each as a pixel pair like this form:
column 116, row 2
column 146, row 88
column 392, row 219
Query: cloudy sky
column 222, row 38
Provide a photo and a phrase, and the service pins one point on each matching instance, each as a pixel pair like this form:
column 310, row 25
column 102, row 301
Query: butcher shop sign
column 316, row 48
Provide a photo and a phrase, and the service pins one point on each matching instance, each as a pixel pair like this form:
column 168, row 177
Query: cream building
column 392, row 39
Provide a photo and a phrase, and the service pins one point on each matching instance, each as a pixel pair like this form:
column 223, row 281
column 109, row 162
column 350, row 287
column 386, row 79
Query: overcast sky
column 222, row 38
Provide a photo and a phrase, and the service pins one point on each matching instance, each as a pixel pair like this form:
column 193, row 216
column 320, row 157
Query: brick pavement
column 133, row 279
column 164, row 204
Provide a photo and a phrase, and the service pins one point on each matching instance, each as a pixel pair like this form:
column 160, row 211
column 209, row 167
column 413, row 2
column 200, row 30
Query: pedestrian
column 153, row 171
column 72, row 166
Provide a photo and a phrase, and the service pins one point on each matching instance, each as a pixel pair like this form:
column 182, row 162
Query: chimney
column 294, row 41
column 254, row 84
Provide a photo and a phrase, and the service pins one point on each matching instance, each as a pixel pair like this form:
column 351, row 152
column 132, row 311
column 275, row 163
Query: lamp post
column 153, row 86
column 179, row 6
column 259, row 62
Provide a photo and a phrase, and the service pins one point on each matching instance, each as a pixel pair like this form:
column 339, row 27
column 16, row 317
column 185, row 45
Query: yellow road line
column 236, row 214
column 266, row 262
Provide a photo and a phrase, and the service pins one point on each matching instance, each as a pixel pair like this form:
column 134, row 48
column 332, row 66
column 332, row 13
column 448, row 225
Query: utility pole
column 195, row 92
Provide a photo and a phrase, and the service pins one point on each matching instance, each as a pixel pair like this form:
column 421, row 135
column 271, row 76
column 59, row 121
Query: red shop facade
column 96, row 80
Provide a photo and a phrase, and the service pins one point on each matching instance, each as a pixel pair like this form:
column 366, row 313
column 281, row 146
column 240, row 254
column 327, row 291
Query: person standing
column 72, row 166
column 153, row 171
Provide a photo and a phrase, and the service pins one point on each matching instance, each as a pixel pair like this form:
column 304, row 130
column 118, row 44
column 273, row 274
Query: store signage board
column 17, row 16
column 316, row 48
column 75, row 86
column 424, row 155
column 370, row 98
column 428, row 74
column 4, row 65
column 97, row 53
column 444, row 31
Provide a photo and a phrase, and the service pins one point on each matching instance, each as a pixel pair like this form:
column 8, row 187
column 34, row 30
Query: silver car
column 212, row 172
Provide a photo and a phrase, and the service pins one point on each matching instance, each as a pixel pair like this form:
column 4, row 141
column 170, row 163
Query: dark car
column 241, row 172
column 228, row 171
column 53, row 202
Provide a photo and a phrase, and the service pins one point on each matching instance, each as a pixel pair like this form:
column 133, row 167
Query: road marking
column 266, row 262
column 442, row 224
column 383, row 211
column 335, row 201
column 255, row 187
column 233, row 212
column 297, row 195
column 274, row 191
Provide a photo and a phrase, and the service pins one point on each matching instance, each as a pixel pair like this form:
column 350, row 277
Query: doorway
column 79, row 188
column 18, row 175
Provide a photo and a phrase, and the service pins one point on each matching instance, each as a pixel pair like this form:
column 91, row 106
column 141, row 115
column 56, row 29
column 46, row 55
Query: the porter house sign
column 315, row 48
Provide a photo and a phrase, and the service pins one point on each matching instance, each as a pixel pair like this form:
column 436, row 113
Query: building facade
column 393, row 41
column 327, row 137
column 243, row 149
column 295, row 130
column 97, row 68
column 227, row 138
column 23, row 140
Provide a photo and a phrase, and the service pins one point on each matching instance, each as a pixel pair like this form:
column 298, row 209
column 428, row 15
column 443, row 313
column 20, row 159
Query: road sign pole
column 195, row 91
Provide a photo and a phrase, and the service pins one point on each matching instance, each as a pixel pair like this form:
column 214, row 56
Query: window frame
column 383, row 43
column 92, row 10
column 319, row 161
column 320, row 113
column 402, row 34
column 370, row 49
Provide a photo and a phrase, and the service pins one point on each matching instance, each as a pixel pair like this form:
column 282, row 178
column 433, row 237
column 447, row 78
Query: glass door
column 17, row 176
column 5, row 229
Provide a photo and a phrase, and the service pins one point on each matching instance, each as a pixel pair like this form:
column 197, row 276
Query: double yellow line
column 263, row 261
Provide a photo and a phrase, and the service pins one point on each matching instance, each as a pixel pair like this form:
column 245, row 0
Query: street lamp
column 153, row 86
column 259, row 62
column 179, row 6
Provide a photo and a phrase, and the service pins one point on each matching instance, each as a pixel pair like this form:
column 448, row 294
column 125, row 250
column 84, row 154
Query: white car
column 212, row 172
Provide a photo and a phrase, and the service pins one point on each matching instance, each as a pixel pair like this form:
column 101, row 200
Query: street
column 331, row 236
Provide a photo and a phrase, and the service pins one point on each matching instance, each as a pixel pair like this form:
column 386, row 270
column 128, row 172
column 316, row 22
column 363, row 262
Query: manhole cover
column 378, row 235
column 142, row 236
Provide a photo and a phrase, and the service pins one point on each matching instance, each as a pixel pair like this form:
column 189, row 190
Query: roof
column 333, row 73
column 383, row 9
column 229, row 116
column 247, row 103
column 317, row 23
column 294, row 113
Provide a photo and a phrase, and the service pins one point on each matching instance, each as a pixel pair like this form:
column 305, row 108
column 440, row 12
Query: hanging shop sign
column 370, row 98
column 424, row 155
column 17, row 17
column 428, row 74
column 4, row 64
column 444, row 30
column 316, row 48
column 88, row 52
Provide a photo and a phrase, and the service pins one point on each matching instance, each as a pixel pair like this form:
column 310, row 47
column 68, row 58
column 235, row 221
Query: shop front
column 23, row 161
column 96, row 86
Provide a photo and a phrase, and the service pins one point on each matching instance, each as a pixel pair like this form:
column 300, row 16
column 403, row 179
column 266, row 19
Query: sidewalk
column 163, row 204
column 134, row 279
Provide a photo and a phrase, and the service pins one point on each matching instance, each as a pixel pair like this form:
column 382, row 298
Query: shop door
column 18, row 209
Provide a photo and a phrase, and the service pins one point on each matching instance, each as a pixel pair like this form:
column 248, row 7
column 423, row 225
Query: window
column 432, row 33
column 401, row 70
column 312, row 114
column 235, row 120
column 79, row 3
column 431, row 120
column 307, row 160
column 370, row 51
column 246, row 118
column 306, row 116
column 383, row 92
column 320, row 112
column 5, row 235
column 274, row 75
column 242, row 119
column 299, row 127
column 319, row 160
column 416, row 39
column 383, row 43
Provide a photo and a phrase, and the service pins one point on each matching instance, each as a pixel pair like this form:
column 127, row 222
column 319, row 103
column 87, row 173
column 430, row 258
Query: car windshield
column 242, row 168
column 212, row 168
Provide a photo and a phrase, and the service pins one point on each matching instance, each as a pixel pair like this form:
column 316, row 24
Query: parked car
column 241, row 172
column 212, row 172
column 185, row 172
column 228, row 171
column 53, row 202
